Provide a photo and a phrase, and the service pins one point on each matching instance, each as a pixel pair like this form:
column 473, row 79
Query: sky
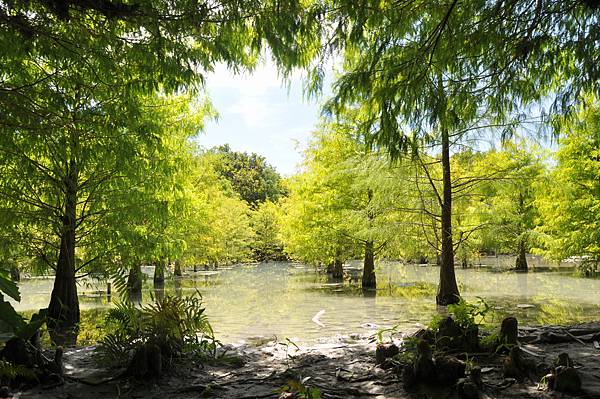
column 260, row 113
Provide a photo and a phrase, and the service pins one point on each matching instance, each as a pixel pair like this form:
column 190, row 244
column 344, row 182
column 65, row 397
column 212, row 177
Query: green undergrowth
column 413, row 290
column 176, row 325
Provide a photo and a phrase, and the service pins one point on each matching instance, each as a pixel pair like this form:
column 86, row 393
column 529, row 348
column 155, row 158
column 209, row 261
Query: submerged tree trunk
column 15, row 274
column 63, row 310
column 134, row 282
column 337, row 270
column 448, row 289
column 159, row 272
column 368, row 277
column 177, row 269
column 521, row 262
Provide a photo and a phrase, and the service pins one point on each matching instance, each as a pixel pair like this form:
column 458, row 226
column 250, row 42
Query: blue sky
column 259, row 113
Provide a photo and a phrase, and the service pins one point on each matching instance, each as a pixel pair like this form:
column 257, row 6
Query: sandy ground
column 340, row 367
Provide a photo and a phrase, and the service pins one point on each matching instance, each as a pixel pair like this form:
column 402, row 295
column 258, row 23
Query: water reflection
column 281, row 298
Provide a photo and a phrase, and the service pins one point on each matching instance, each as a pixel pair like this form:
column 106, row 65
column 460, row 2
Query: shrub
column 175, row 324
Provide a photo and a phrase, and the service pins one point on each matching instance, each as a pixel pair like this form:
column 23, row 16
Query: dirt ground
column 340, row 367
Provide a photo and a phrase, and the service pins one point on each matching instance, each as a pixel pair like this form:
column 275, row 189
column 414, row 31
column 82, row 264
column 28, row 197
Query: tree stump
column 509, row 331
column 424, row 365
column 15, row 351
column 564, row 360
column 138, row 366
column 517, row 366
column 567, row 380
column 385, row 352
column 154, row 359
column 448, row 334
column 449, row 370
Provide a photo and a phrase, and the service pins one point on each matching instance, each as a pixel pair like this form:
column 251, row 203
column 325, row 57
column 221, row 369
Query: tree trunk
column 521, row 262
column 15, row 274
column 159, row 272
column 338, row 269
column 368, row 277
column 134, row 282
column 329, row 268
column 448, row 289
column 63, row 310
column 177, row 269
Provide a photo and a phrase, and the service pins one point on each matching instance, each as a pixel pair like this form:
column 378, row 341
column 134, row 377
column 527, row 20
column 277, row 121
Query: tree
column 80, row 68
column 403, row 114
column 249, row 174
column 431, row 71
column 144, row 45
column 218, row 229
column 511, row 213
column 343, row 203
column 73, row 182
column 570, row 201
column 264, row 221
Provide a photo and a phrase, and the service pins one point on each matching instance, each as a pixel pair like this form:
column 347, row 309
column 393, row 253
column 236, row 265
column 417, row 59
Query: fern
column 175, row 324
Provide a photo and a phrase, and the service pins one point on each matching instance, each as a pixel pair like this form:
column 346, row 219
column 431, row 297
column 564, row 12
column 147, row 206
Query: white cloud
column 258, row 113
column 256, row 83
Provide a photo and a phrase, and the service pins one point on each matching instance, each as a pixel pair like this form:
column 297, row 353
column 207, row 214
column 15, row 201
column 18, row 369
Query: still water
column 281, row 299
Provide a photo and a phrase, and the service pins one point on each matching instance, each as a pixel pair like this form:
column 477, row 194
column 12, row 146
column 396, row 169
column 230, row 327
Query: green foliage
column 570, row 203
column 379, row 336
column 265, row 222
column 301, row 390
column 495, row 208
column 175, row 324
column 493, row 342
column 10, row 372
column 345, row 197
column 219, row 223
column 468, row 315
column 249, row 174
column 408, row 351
column 414, row 290
column 490, row 55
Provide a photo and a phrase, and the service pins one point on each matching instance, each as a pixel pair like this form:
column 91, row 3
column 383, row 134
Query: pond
column 279, row 300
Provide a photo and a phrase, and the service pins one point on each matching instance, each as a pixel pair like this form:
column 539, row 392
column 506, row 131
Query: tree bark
column 368, row 277
column 15, row 274
column 447, row 289
column 338, row 269
column 521, row 262
column 177, row 269
column 63, row 310
column 159, row 272
column 134, row 281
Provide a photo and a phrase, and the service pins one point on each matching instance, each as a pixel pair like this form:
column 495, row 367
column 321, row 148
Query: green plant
column 288, row 342
column 379, row 334
column 408, row 351
column 495, row 342
column 489, row 340
column 435, row 321
column 300, row 390
column 10, row 372
column 175, row 324
column 470, row 315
